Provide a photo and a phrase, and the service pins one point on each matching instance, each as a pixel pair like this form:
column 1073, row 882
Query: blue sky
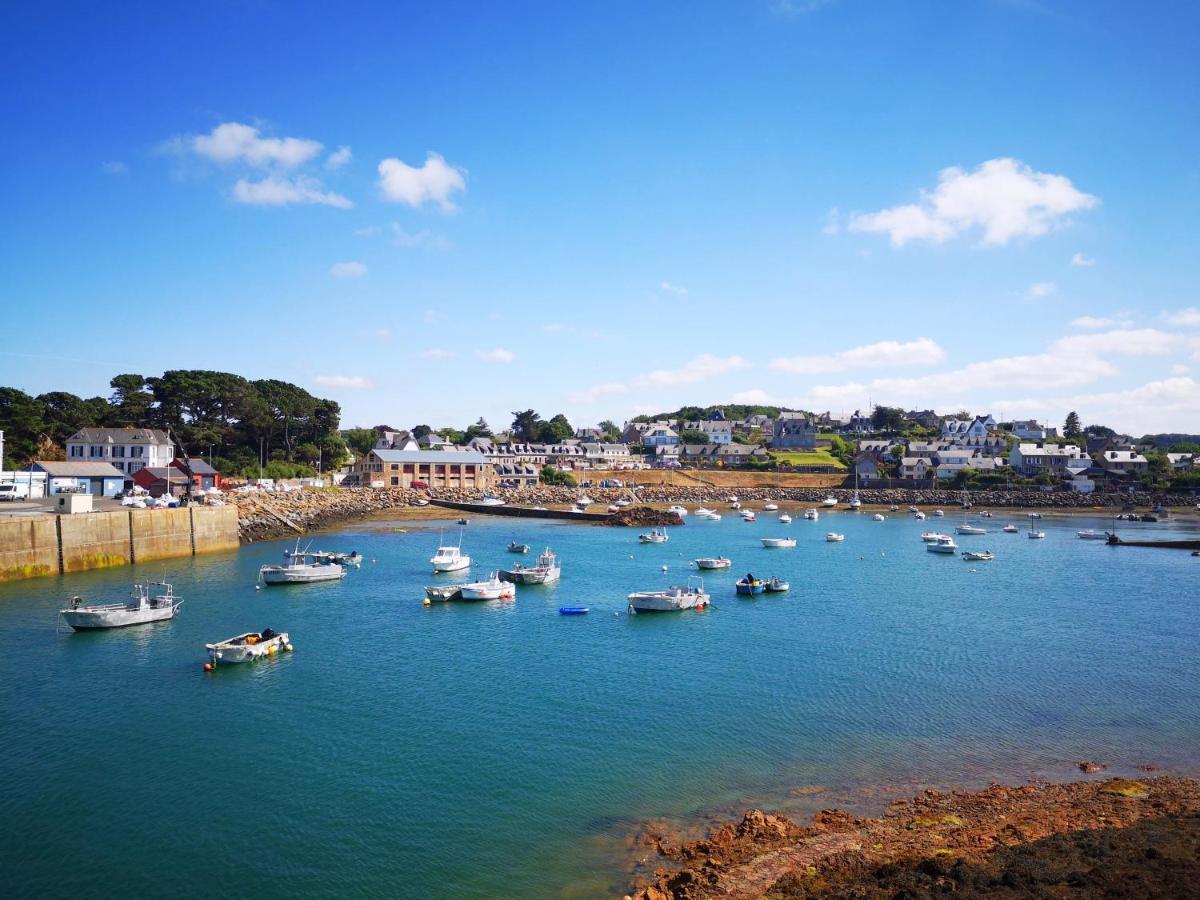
column 607, row 209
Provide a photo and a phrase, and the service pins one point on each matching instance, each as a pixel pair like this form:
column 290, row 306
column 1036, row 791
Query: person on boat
column 267, row 634
column 749, row 578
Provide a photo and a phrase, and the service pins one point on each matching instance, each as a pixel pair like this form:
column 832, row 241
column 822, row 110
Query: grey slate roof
column 77, row 469
column 469, row 457
column 119, row 436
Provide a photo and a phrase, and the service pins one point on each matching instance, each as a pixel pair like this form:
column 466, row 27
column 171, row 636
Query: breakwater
column 55, row 545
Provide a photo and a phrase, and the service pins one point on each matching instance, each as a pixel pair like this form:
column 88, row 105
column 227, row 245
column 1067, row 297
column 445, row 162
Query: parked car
column 14, row 491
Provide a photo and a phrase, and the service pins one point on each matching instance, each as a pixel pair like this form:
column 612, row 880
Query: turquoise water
column 503, row 750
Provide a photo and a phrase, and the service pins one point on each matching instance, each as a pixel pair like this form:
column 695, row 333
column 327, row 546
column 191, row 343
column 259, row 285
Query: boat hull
column 97, row 620
column 531, row 576
column 749, row 590
column 274, row 575
column 225, row 653
column 645, row 604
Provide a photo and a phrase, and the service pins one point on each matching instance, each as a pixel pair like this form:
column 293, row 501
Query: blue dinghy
column 573, row 610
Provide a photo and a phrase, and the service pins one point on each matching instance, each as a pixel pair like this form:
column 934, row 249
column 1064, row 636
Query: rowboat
column 142, row 608
column 749, row 586
column 713, row 562
column 573, row 610
column 783, row 542
column 777, row 586
column 248, row 647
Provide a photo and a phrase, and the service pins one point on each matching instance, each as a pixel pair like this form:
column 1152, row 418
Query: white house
column 916, row 467
column 606, row 456
column 1123, row 462
column 960, row 430
column 125, row 449
column 717, row 432
column 659, row 435
column 1182, row 462
column 1034, row 459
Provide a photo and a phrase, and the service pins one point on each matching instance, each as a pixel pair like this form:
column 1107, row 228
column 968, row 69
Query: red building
column 204, row 476
column 161, row 480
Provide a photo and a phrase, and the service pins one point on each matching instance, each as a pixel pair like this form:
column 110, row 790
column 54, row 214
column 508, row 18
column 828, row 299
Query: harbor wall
column 52, row 545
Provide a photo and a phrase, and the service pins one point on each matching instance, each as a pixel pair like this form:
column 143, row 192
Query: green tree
column 553, row 476
column 23, row 420
column 480, row 429
column 1071, row 427
column 360, row 440
column 420, row 431
column 693, row 436
column 130, row 403
column 887, row 418
column 611, row 431
column 557, row 430
column 526, row 426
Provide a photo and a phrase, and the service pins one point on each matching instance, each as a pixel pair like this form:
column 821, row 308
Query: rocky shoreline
column 271, row 516
column 1111, row 838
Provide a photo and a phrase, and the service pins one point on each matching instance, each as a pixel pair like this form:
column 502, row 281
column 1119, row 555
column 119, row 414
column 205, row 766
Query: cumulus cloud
column 498, row 355
column 350, row 382
column 1169, row 404
column 423, row 239
column 234, row 142
column 1003, row 198
column 595, row 392
column 437, row 353
column 922, row 351
column 667, row 288
column 277, row 191
column 350, row 269
column 433, row 182
column 1094, row 323
column 338, row 157
column 1080, row 260
column 1040, row 289
column 1188, row 318
column 694, row 370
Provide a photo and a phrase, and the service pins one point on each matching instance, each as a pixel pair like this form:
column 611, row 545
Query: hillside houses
column 794, row 431
column 1031, row 459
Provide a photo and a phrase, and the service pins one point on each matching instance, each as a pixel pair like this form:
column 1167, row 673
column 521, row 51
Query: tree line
column 225, row 418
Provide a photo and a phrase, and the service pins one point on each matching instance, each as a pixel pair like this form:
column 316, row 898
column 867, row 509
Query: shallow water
column 472, row 750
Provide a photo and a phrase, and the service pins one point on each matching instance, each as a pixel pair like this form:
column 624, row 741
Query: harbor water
column 503, row 750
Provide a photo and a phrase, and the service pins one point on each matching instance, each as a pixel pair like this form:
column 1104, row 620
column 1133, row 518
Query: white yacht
column 944, row 544
column 450, row 559
column 491, row 500
column 812, row 515
column 712, row 516
column 968, row 528
column 782, row 542
column 1091, row 534
column 1010, row 529
column 785, row 519
column 703, row 512
column 301, row 567
column 491, row 589
column 834, row 537
column 829, row 502
column 247, row 647
column 1037, row 535
column 546, row 571
column 143, row 607
column 671, row 600
column 714, row 562
column 931, row 537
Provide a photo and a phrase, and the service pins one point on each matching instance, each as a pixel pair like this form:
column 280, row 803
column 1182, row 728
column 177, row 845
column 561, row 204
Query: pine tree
column 1071, row 427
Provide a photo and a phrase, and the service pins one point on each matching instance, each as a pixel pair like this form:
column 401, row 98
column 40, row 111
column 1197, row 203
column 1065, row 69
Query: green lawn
column 806, row 458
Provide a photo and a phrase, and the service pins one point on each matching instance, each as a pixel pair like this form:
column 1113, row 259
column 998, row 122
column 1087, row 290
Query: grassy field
column 806, row 458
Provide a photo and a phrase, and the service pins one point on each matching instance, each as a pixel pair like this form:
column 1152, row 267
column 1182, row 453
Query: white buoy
column 664, row 568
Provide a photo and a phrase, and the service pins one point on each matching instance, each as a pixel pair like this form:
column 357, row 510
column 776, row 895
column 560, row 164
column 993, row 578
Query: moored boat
column 834, row 537
column 514, row 547
column 967, row 528
column 573, row 610
column 978, row 555
column 449, row 559
column 785, row 519
column 1091, row 534
column 777, row 585
column 545, row 571
column 931, row 537
column 749, row 585
column 878, row 517
column 829, row 502
column 944, row 544
column 301, row 567
column 713, row 562
column 673, row 599
column 748, row 515
column 1036, row 535
column 142, row 608
column 812, row 515
column 491, row 500
column 654, row 536
column 919, row 516
column 444, row 592
column 680, row 511
column 248, row 647
column 491, row 589
column 770, row 507
column 782, row 542
column 1010, row 529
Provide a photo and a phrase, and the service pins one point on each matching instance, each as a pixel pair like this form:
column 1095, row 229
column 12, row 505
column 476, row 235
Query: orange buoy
column 208, row 667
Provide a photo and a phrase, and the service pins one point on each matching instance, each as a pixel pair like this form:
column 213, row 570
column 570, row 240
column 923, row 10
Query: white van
column 13, row 491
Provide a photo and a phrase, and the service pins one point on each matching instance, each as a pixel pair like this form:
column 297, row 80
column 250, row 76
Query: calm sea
column 480, row 750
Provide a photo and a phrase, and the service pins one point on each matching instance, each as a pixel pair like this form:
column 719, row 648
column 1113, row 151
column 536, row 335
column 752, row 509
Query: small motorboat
column 978, row 555
column 546, row 571
column 785, row 519
column 1035, row 515
column 420, row 501
column 583, row 502
column 931, row 537
column 1010, row 529
column 353, row 558
column 855, row 503
column 302, row 567
column 919, row 516
column 829, row 502
column 913, row 509
column 1036, row 535
column 770, row 507
column 623, row 503
column 812, row 515
column 894, row 508
column 748, row 515
column 985, row 514
column 654, row 536
column 703, row 512
column 878, row 517
column 673, row 599
column 967, row 528
column 749, row 586
column 462, row 521
column 777, row 585
column 248, row 647
column 783, row 542
column 712, row 516
column 938, row 513
column 1091, row 534
column 573, row 610
column 514, row 547
column 735, row 505
column 491, row 500
column 732, row 498
column 444, row 592
column 449, row 559
column 834, row 537
column 944, row 544
column 678, row 510
column 713, row 562
column 491, row 589
column 142, row 608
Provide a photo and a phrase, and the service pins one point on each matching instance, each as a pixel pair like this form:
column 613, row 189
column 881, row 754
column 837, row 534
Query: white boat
column 1091, row 534
column 1010, row 529
column 491, row 589
column 302, row 567
column 713, row 562
column 584, row 501
column 829, row 502
column 623, row 503
column 878, row 517
column 944, row 544
column 913, row 509
column 919, row 516
column 678, row 510
column 671, row 600
column 546, row 571
column 735, row 505
column 491, row 500
column 247, row 647
column 855, row 502
column 812, row 515
column 777, row 585
column 713, row 517
column 420, row 501
column 938, row 513
column 143, row 607
column 353, row 558
column 931, row 537
column 770, row 507
column 613, row 508
column 785, row 519
column 967, row 528
column 834, row 538
column 444, row 592
column 1037, row 535
column 449, row 559
column 733, row 499
column 978, row 555
column 1035, row 515
column 654, row 536
column 778, row 542
column 748, row 515
column 703, row 512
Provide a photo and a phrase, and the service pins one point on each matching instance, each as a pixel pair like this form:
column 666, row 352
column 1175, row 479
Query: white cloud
column 498, row 355
column 1004, row 198
column 433, row 182
column 1180, row 369
column 922, row 351
column 349, row 382
column 667, row 288
column 1080, row 260
column 833, row 222
column 114, row 167
column 697, row 369
column 1188, row 318
column 753, row 397
column 423, row 239
column 384, row 334
column 233, row 142
column 350, row 269
column 1040, row 289
column 591, row 394
column 338, row 157
column 368, row 231
column 275, row 191
column 437, row 353
column 1170, row 404
column 1094, row 323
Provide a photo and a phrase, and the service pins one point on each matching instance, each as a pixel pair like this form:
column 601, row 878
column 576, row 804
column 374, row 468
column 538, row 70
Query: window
column 136, row 451
column 95, row 451
column 119, row 452
column 395, row 479
column 134, row 466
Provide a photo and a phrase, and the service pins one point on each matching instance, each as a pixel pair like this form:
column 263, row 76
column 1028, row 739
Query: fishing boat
column 748, row 515
column 672, row 599
column 812, row 515
column 770, row 507
column 749, row 585
column 514, row 547
column 713, row 562
column 353, row 558
column 1091, row 534
column 978, row 555
column 444, row 592
column 248, row 647
column 944, row 544
column 1036, row 535
column 829, row 502
column 773, row 543
column 302, row 567
column 491, row 589
column 680, row 511
column 144, row 606
column 1010, row 529
column 449, row 559
column 777, row 585
column 491, row 500
column 654, row 536
column 834, row 537
column 573, row 610
column 785, row 519
column 545, row 571
column 878, row 517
